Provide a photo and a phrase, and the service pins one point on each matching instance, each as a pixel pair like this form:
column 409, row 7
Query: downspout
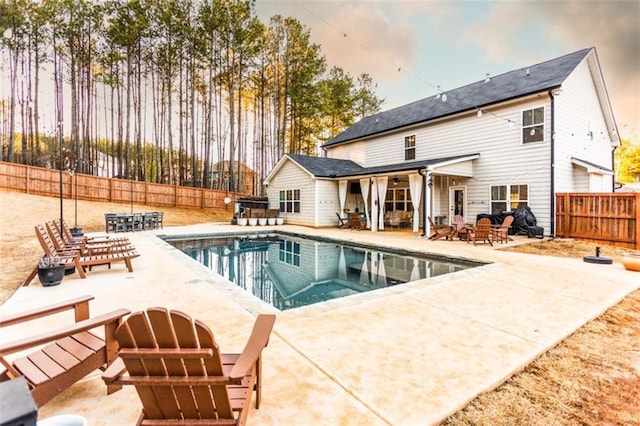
column 552, row 215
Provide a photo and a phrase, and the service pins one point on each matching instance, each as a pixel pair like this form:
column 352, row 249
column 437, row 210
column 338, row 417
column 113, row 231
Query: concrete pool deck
column 404, row 355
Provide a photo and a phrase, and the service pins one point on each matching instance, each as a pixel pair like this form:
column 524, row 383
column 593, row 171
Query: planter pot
column 271, row 221
column 242, row 221
column 262, row 221
column 253, row 221
column 76, row 232
column 51, row 276
column 279, row 221
column 631, row 261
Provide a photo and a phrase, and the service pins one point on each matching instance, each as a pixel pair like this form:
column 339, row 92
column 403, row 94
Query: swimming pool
column 290, row 271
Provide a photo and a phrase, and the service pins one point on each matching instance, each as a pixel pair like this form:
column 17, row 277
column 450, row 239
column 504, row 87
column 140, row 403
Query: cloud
column 562, row 27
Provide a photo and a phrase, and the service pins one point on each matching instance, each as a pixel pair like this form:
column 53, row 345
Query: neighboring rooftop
column 513, row 84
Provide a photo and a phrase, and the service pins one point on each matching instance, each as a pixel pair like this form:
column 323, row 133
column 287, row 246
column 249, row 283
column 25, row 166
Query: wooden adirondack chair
column 355, row 222
column 69, row 353
column 440, row 231
column 501, row 233
column 341, row 222
column 481, row 232
column 179, row 373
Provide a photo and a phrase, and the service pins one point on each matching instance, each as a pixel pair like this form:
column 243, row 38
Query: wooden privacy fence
column 43, row 181
column 610, row 218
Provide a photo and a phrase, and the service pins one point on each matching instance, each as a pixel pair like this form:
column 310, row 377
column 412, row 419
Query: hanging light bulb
column 532, row 132
column 395, row 180
column 510, row 123
column 479, row 114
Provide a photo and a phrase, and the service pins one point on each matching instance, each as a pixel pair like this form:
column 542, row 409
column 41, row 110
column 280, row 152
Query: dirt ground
column 591, row 378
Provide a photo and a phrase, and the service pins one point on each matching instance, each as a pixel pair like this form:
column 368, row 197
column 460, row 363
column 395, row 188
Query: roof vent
column 487, row 78
column 527, row 72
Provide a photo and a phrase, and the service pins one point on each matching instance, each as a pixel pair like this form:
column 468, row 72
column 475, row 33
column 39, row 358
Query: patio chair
column 58, row 358
column 341, row 222
column 480, row 232
column 441, row 231
column 85, row 247
column 460, row 227
column 77, row 258
column 355, row 222
column 179, row 373
column 65, row 232
column 501, row 233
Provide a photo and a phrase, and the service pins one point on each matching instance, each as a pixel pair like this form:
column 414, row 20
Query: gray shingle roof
column 513, row 84
column 336, row 168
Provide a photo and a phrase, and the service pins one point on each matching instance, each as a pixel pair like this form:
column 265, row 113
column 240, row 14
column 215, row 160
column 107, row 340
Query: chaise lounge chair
column 179, row 373
column 70, row 352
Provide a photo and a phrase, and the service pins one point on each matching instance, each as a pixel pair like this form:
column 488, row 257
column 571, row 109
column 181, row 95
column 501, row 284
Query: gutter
column 552, row 158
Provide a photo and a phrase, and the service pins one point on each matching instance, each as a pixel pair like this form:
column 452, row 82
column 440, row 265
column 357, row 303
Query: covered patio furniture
column 441, row 231
column 480, row 232
column 56, row 359
column 179, row 372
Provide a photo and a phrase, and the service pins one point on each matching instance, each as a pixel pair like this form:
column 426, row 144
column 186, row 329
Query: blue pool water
column 289, row 271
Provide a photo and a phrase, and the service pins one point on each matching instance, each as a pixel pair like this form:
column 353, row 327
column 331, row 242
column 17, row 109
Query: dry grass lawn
column 591, row 378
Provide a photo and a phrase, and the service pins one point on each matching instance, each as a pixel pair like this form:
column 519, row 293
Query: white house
column 485, row 148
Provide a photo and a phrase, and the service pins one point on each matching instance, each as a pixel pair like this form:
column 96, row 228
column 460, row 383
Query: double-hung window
column 507, row 198
column 410, row 147
column 533, row 125
column 290, row 201
column 289, row 252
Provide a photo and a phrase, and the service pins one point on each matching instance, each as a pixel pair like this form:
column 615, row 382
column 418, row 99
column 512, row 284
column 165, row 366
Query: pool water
column 289, row 271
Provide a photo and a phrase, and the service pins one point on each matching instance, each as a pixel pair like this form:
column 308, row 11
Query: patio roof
column 333, row 168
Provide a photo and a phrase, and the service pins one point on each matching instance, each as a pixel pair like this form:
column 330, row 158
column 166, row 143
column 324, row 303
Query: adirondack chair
column 76, row 258
column 179, row 373
column 355, row 222
column 69, row 352
column 460, row 227
column 341, row 222
column 501, row 233
column 480, row 232
column 441, row 231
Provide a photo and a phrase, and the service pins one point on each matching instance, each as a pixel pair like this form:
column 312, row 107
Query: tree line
column 184, row 92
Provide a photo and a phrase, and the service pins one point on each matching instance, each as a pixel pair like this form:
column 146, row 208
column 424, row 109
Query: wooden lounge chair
column 355, row 223
column 441, row 231
column 500, row 233
column 341, row 222
column 480, row 232
column 77, row 258
column 179, row 373
column 69, row 353
column 84, row 246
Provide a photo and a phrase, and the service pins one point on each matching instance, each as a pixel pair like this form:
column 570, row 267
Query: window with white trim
column 507, row 198
column 290, row 201
column 410, row 147
column 533, row 125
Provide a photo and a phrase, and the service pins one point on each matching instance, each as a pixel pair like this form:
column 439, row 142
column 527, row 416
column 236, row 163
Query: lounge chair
column 77, row 258
column 85, row 246
column 441, row 231
column 179, row 373
column 501, row 233
column 70, row 352
column 480, row 232
column 341, row 222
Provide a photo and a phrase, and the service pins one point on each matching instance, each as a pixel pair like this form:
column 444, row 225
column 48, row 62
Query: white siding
column 328, row 203
column 291, row 176
column 578, row 113
column 503, row 158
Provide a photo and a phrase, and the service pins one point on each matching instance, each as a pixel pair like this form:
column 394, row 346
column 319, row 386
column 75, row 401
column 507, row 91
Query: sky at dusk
column 412, row 47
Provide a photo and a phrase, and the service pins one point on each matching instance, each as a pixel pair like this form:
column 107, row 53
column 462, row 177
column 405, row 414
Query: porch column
column 426, row 175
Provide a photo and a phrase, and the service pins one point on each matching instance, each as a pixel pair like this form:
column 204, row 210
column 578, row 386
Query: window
column 410, row 147
column 507, row 198
column 289, row 252
column 533, row 125
column 290, row 201
column 398, row 199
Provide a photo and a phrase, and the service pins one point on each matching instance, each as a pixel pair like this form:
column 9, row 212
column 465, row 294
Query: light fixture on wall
column 395, row 180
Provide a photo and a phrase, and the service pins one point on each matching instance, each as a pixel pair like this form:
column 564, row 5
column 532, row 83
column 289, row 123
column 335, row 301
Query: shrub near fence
column 610, row 218
column 43, row 181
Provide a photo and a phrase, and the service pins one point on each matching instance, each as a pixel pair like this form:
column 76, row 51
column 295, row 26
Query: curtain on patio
column 364, row 187
column 415, row 188
column 382, row 196
column 342, row 193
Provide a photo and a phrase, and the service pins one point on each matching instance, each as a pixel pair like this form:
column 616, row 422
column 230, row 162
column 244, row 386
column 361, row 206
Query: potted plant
column 50, row 270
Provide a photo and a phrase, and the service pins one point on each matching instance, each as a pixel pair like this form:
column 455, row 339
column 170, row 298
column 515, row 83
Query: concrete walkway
column 406, row 355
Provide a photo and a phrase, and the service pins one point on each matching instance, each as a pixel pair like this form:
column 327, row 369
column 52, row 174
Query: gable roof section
column 332, row 168
column 510, row 85
column 591, row 167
